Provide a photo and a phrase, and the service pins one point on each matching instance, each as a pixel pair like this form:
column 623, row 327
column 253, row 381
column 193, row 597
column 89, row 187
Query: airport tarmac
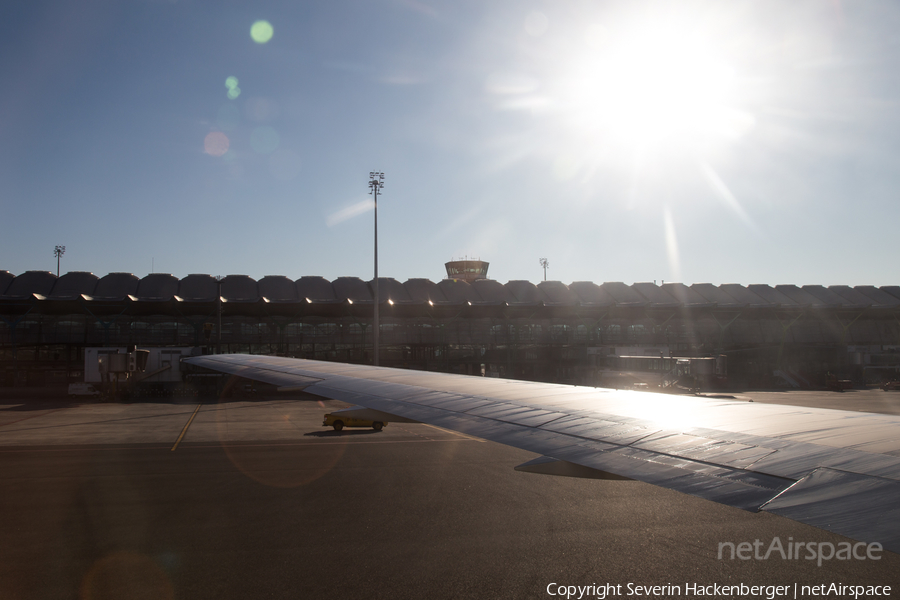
column 255, row 499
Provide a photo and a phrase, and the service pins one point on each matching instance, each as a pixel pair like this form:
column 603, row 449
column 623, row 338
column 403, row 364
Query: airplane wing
column 836, row 470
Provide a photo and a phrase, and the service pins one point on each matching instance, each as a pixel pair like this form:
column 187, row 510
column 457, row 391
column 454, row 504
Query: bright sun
column 652, row 86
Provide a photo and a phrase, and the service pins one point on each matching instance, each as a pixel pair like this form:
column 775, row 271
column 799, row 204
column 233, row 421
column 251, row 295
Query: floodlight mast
column 219, row 313
column 58, row 252
column 545, row 263
column 376, row 184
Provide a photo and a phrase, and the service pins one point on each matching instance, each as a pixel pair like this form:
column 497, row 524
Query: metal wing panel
column 497, row 410
column 518, row 415
column 797, row 461
column 536, row 418
column 435, row 399
column 568, row 425
column 432, row 398
column 709, row 450
column 680, row 444
column 376, row 388
column 461, row 404
column 468, row 386
column 736, row 455
column 512, row 392
column 858, row 506
column 545, row 442
column 721, row 490
column 672, row 462
column 876, row 465
column 255, row 371
column 856, row 437
column 741, row 438
column 423, row 414
column 620, row 434
column 509, row 434
column 684, row 477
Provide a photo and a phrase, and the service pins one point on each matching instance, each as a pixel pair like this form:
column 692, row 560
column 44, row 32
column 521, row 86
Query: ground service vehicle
column 339, row 421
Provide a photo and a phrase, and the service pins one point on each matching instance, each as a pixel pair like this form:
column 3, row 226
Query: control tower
column 467, row 270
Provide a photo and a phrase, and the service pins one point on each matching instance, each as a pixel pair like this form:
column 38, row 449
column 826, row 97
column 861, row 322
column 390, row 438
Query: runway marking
column 239, row 444
column 76, row 424
column 81, row 448
column 232, row 444
column 31, row 417
column 188, row 424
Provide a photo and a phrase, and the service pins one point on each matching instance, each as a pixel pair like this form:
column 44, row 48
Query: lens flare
column 672, row 244
column 216, row 143
column 233, row 90
column 261, row 109
column 261, row 32
column 126, row 575
column 300, row 464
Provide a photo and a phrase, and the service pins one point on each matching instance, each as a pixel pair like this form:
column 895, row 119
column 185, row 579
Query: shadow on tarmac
column 31, row 405
column 333, row 433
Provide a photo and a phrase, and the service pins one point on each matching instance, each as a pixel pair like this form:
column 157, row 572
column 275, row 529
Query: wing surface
column 836, row 470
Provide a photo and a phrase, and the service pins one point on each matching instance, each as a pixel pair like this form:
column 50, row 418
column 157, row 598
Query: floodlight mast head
column 376, row 182
column 58, row 252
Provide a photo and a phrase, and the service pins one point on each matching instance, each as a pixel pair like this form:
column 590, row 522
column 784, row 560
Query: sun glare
column 653, row 85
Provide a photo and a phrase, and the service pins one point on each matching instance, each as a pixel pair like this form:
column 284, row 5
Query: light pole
column 58, row 252
column 219, row 314
column 376, row 183
column 545, row 263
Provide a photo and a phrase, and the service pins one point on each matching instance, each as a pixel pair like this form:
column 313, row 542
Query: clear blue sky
column 747, row 142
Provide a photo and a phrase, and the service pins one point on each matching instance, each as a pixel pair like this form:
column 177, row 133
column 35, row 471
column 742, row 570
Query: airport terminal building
column 580, row 333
